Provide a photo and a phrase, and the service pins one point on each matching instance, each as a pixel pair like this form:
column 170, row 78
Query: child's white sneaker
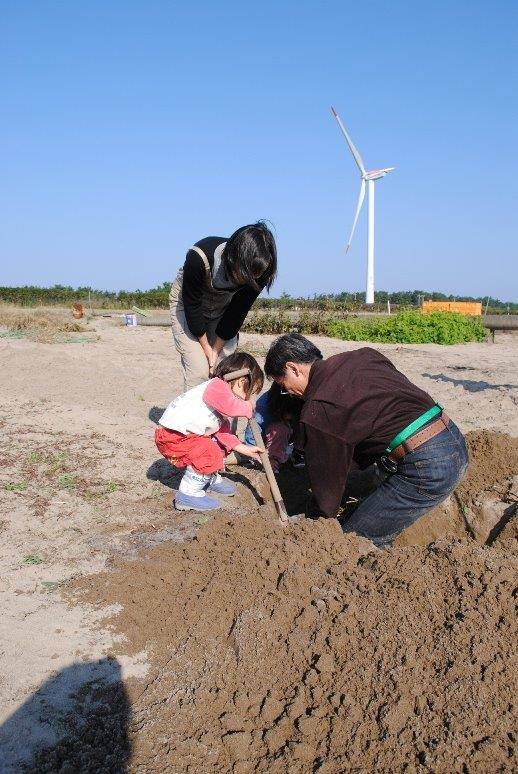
column 220, row 486
column 185, row 502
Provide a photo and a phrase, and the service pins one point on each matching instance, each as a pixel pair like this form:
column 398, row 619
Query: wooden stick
column 274, row 487
column 236, row 374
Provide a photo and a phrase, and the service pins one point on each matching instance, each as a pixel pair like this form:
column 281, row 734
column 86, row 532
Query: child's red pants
column 202, row 452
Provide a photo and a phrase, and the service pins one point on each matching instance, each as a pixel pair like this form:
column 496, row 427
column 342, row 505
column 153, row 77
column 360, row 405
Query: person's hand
column 208, row 352
column 212, row 359
column 249, row 451
column 214, row 353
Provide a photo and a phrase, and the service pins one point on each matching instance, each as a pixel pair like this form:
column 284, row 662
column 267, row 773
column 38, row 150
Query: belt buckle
column 388, row 465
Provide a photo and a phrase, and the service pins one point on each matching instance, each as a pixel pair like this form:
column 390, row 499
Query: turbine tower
column 367, row 178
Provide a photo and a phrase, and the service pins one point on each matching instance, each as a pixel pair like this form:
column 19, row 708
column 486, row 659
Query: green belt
column 413, row 427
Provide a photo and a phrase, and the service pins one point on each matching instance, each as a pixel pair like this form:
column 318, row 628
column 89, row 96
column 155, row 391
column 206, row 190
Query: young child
column 277, row 414
column 193, row 431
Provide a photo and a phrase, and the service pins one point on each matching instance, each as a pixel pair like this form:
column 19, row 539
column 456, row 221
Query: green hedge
column 157, row 298
column 282, row 322
column 411, row 328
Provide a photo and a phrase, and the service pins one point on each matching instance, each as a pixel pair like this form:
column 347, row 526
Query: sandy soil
column 137, row 638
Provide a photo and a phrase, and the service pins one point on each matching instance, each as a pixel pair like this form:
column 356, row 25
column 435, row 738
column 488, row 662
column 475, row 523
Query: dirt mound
column 292, row 650
column 484, row 504
column 302, row 649
column 493, row 458
column 481, row 507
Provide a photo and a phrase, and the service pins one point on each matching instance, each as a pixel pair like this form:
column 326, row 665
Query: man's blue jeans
column 424, row 478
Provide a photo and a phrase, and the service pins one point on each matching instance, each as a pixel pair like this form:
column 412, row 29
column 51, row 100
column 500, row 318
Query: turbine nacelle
column 376, row 174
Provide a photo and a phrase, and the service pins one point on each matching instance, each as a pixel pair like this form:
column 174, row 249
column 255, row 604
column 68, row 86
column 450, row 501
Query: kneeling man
column 358, row 406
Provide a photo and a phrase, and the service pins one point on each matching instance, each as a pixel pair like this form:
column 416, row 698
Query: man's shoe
column 185, row 502
column 298, row 458
column 219, row 486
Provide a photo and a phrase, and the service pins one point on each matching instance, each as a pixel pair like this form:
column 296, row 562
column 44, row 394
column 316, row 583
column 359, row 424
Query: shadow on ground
column 76, row 722
column 162, row 470
column 469, row 384
column 293, row 483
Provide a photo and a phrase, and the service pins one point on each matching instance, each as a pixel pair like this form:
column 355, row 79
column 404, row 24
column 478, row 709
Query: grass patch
column 51, row 585
column 58, row 463
column 68, row 481
column 60, row 338
column 16, row 486
column 33, row 559
column 35, row 458
column 411, row 328
column 100, row 490
column 254, row 350
column 14, row 334
column 39, row 324
column 406, row 327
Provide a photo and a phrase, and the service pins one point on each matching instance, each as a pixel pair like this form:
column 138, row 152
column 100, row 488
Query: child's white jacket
column 201, row 410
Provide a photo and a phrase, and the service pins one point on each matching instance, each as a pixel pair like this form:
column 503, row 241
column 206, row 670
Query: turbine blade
column 350, row 143
column 357, row 213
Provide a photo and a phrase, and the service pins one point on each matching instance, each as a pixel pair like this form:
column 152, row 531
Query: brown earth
column 136, row 638
column 299, row 648
column 485, row 500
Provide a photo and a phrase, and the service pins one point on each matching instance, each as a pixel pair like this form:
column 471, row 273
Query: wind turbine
column 368, row 178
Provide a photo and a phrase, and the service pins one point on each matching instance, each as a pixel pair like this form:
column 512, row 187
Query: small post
column 388, row 306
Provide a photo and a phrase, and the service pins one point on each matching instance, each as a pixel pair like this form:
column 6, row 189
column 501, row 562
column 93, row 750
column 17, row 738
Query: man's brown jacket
column 354, row 405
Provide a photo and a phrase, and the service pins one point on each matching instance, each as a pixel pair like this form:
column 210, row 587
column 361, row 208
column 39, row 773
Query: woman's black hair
column 250, row 256
column 236, row 362
column 291, row 347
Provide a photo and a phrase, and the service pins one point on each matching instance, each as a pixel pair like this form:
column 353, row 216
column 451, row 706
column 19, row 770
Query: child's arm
column 226, row 439
column 250, row 451
column 230, row 442
column 220, row 397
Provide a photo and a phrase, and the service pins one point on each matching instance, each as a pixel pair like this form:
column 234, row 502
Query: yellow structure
column 473, row 308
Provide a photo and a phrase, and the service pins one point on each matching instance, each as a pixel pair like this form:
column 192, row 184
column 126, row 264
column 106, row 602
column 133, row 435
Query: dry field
column 136, row 638
column 48, row 324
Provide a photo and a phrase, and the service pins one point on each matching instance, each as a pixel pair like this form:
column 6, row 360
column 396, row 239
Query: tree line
column 157, row 298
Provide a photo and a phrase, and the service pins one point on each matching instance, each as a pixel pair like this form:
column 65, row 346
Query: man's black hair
column 291, row 347
column 250, row 256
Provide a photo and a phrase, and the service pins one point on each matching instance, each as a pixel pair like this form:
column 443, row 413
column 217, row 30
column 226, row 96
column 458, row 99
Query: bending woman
column 213, row 292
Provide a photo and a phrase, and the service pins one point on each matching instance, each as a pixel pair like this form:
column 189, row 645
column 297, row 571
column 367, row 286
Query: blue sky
column 132, row 129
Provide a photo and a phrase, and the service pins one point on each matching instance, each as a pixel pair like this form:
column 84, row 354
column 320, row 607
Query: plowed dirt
column 302, row 649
